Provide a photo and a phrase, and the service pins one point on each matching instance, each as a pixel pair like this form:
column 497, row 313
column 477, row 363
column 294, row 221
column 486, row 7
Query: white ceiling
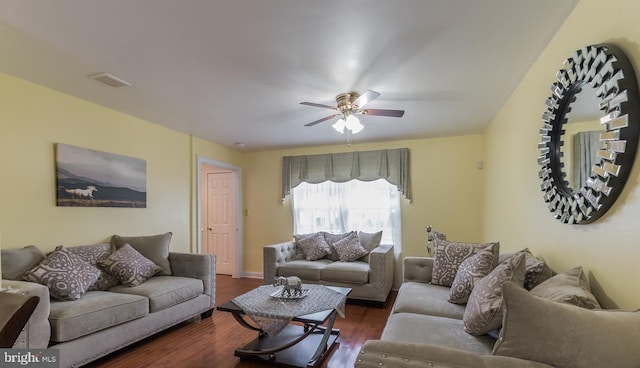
column 236, row 70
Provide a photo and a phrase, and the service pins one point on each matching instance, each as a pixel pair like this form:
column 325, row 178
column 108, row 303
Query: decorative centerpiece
column 291, row 288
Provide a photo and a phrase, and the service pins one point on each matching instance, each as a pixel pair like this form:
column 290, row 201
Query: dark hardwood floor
column 211, row 342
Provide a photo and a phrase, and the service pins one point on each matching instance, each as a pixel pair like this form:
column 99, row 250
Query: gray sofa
column 425, row 330
column 370, row 279
column 101, row 322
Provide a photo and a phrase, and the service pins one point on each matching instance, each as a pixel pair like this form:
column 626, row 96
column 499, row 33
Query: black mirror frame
column 606, row 68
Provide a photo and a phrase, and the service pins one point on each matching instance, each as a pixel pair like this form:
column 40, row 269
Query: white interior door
column 220, row 217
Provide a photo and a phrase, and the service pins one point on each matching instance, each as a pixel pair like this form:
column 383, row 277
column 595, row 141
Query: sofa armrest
column 275, row 255
column 417, row 269
column 38, row 328
column 381, row 268
column 378, row 353
column 197, row 266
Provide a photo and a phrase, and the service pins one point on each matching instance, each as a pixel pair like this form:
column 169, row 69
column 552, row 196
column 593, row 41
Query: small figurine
column 291, row 286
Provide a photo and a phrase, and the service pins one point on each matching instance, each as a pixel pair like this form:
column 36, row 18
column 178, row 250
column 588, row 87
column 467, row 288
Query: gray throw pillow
column 484, row 308
column 449, row 256
column 16, row 262
column 129, row 266
column 370, row 241
column 66, row 275
column 314, row 247
column 470, row 272
column 153, row 247
column 349, row 248
column 571, row 286
column 92, row 254
column 564, row 335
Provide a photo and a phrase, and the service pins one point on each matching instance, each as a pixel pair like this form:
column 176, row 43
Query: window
column 342, row 207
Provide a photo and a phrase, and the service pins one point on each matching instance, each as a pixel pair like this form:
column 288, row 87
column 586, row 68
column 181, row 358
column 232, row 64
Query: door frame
column 237, row 172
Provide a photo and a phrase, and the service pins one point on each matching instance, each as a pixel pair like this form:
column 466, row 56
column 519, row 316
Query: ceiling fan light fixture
column 353, row 124
column 339, row 126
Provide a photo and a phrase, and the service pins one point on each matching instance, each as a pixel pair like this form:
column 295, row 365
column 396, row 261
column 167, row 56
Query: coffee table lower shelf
column 298, row 355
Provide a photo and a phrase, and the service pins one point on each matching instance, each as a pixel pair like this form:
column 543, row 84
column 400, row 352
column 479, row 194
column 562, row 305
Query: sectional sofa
column 103, row 321
column 558, row 323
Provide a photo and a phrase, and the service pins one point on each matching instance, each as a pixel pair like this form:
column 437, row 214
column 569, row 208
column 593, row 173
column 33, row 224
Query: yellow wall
column 446, row 189
column 446, row 185
column 514, row 210
column 33, row 118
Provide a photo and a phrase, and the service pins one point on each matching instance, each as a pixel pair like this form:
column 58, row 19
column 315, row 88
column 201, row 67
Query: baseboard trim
column 253, row 275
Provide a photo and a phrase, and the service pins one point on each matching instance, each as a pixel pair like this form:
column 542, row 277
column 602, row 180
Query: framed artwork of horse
column 89, row 178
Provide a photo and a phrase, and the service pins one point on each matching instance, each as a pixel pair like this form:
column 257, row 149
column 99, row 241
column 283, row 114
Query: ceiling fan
column 349, row 105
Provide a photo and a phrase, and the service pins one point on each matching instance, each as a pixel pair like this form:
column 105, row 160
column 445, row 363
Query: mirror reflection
column 581, row 140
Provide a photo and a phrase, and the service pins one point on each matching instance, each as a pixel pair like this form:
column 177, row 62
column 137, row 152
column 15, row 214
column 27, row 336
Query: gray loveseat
column 101, row 322
column 370, row 277
column 425, row 330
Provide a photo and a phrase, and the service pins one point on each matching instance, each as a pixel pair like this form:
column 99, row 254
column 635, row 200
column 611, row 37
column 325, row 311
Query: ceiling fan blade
column 384, row 112
column 318, row 105
column 321, row 120
column 366, row 97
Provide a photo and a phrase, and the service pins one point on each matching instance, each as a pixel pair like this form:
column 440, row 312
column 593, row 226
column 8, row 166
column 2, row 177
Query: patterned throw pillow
column 349, row 249
column 92, row 254
column 297, row 238
column 449, row 256
column 571, row 287
column 67, row 275
column 331, row 240
column 534, row 267
column 152, row 247
column 471, row 270
column 129, row 266
column 314, row 247
column 484, row 308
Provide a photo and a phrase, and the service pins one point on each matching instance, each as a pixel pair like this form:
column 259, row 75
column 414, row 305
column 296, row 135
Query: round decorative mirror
column 590, row 133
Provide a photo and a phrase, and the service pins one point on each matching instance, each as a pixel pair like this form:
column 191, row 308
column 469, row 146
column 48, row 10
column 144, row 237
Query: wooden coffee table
column 304, row 342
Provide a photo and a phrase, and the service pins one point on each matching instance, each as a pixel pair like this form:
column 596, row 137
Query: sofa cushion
column 66, row 275
column 331, row 240
column 16, row 262
column 424, row 329
column 153, row 247
column 352, row 272
column 566, row 335
column 93, row 254
column 484, row 309
column 164, row 291
column 314, row 247
column 570, row 287
column 349, row 249
column 129, row 266
column 370, row 241
column 95, row 311
column 449, row 256
column 306, row 270
column 428, row 299
column 471, row 270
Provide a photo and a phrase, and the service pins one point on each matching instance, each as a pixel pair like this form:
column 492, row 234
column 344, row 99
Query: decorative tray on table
column 280, row 295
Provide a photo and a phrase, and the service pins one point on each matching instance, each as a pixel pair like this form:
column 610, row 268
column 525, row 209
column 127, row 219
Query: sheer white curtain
column 351, row 206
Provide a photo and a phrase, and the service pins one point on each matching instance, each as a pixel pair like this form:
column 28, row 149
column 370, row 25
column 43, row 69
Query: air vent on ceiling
column 110, row 80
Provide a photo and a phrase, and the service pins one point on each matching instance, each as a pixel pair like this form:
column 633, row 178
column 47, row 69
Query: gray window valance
column 391, row 165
